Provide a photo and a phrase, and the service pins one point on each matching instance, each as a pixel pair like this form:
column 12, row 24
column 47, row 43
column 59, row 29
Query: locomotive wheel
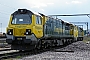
column 69, row 42
column 45, row 45
column 72, row 41
column 64, row 42
column 56, row 43
column 81, row 39
column 39, row 45
column 35, row 46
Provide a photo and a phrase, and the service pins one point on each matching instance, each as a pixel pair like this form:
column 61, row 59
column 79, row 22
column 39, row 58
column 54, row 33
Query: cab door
column 75, row 31
column 38, row 26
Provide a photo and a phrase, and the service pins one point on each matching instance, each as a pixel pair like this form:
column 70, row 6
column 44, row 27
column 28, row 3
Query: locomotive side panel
column 53, row 28
column 38, row 26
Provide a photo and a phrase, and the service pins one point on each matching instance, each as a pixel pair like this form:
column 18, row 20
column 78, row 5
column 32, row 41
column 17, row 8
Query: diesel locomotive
column 28, row 30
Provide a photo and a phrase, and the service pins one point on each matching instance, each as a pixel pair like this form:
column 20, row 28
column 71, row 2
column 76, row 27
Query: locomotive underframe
column 28, row 44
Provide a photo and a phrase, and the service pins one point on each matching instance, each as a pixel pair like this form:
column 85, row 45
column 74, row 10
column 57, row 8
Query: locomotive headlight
column 28, row 31
column 22, row 11
column 10, row 31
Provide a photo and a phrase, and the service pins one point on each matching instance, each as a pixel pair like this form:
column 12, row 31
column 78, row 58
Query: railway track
column 5, row 49
column 26, row 53
column 20, row 53
column 8, row 55
column 31, row 52
column 3, row 43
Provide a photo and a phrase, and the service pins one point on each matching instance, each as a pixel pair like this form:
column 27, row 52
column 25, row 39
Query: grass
column 6, row 54
column 86, row 39
column 18, row 57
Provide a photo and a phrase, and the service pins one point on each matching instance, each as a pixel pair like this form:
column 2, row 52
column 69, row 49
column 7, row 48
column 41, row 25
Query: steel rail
column 5, row 50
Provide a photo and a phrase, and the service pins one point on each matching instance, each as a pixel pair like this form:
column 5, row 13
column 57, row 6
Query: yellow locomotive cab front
column 22, row 28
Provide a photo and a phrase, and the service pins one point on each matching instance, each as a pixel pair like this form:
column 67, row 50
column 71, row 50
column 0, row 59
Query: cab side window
column 38, row 20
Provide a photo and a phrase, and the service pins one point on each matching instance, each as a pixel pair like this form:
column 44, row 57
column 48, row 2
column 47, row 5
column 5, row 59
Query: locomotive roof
column 35, row 13
column 62, row 21
column 66, row 22
column 26, row 11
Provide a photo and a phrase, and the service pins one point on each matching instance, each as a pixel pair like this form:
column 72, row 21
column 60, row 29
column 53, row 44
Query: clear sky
column 47, row 7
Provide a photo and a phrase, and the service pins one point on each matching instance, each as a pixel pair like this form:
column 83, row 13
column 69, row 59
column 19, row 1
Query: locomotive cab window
column 21, row 19
column 38, row 20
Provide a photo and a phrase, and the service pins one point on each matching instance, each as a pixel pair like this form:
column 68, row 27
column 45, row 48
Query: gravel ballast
column 79, row 51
